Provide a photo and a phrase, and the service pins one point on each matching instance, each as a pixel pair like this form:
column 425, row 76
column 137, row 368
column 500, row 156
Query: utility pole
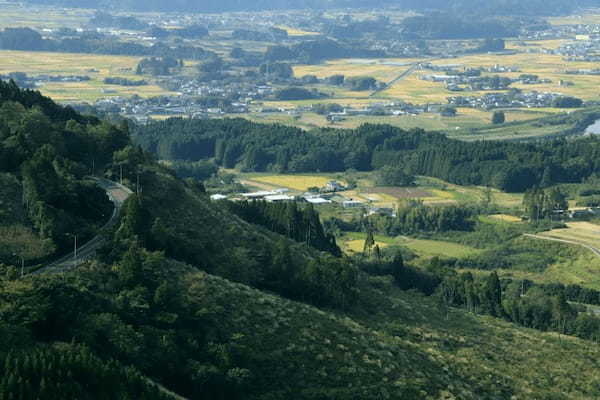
column 22, row 263
column 75, row 253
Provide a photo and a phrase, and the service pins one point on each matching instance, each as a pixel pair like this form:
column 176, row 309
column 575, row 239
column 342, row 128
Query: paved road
column 595, row 250
column 398, row 78
column 165, row 390
column 117, row 194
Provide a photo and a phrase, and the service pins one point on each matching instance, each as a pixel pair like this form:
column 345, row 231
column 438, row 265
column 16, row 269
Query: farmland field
column 382, row 70
column 460, row 126
column 399, row 192
column 431, row 191
column 97, row 67
column 299, row 183
column 415, row 90
column 39, row 17
column 592, row 18
column 297, row 32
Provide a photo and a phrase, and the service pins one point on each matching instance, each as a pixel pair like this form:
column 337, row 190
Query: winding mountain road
column 117, row 194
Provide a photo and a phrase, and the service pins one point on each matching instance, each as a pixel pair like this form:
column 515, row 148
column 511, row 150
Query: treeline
column 551, row 307
column 410, row 219
column 301, row 224
column 509, row 166
column 520, row 302
column 457, row 26
column 94, row 43
column 124, row 81
column 314, row 51
column 69, row 372
column 105, row 20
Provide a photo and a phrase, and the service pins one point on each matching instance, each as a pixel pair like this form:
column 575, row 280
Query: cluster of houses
column 457, row 79
column 141, row 109
column 488, row 101
column 581, row 50
column 329, row 194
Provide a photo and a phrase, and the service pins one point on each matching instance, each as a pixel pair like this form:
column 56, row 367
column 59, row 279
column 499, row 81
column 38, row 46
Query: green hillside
column 214, row 301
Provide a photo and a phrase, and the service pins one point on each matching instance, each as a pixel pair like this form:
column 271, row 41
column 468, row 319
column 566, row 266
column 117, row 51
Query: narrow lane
column 594, row 250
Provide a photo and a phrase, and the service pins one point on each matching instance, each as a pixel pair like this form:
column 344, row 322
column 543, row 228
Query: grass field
column 38, row 17
column 581, row 232
column 593, row 18
column 466, row 120
column 457, row 193
column 97, row 67
column 505, row 218
column 353, row 242
column 296, row 32
column 299, row 183
column 382, row 70
column 584, row 270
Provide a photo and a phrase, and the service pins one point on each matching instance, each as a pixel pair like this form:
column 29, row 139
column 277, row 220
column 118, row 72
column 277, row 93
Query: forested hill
column 46, row 151
column 239, row 302
column 238, row 143
column 494, row 7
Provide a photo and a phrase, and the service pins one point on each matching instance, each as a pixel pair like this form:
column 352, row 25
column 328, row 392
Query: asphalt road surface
column 117, row 194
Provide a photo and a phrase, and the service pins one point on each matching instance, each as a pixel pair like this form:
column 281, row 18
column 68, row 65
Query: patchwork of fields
column 97, row 67
column 430, row 190
column 415, row 90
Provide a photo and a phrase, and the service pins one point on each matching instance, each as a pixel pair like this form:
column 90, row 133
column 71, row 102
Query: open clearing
column 382, row 70
column 459, row 126
column 582, row 270
column 353, row 242
column 505, row 218
column 300, row 183
column 581, row 232
column 399, row 192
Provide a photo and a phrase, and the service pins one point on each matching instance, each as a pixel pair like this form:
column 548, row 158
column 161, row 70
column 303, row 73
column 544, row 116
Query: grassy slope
column 503, row 357
column 316, row 349
column 400, row 345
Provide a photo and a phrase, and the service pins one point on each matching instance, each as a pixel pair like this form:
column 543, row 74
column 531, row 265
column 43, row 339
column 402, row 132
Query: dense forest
column 49, row 150
column 510, row 166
